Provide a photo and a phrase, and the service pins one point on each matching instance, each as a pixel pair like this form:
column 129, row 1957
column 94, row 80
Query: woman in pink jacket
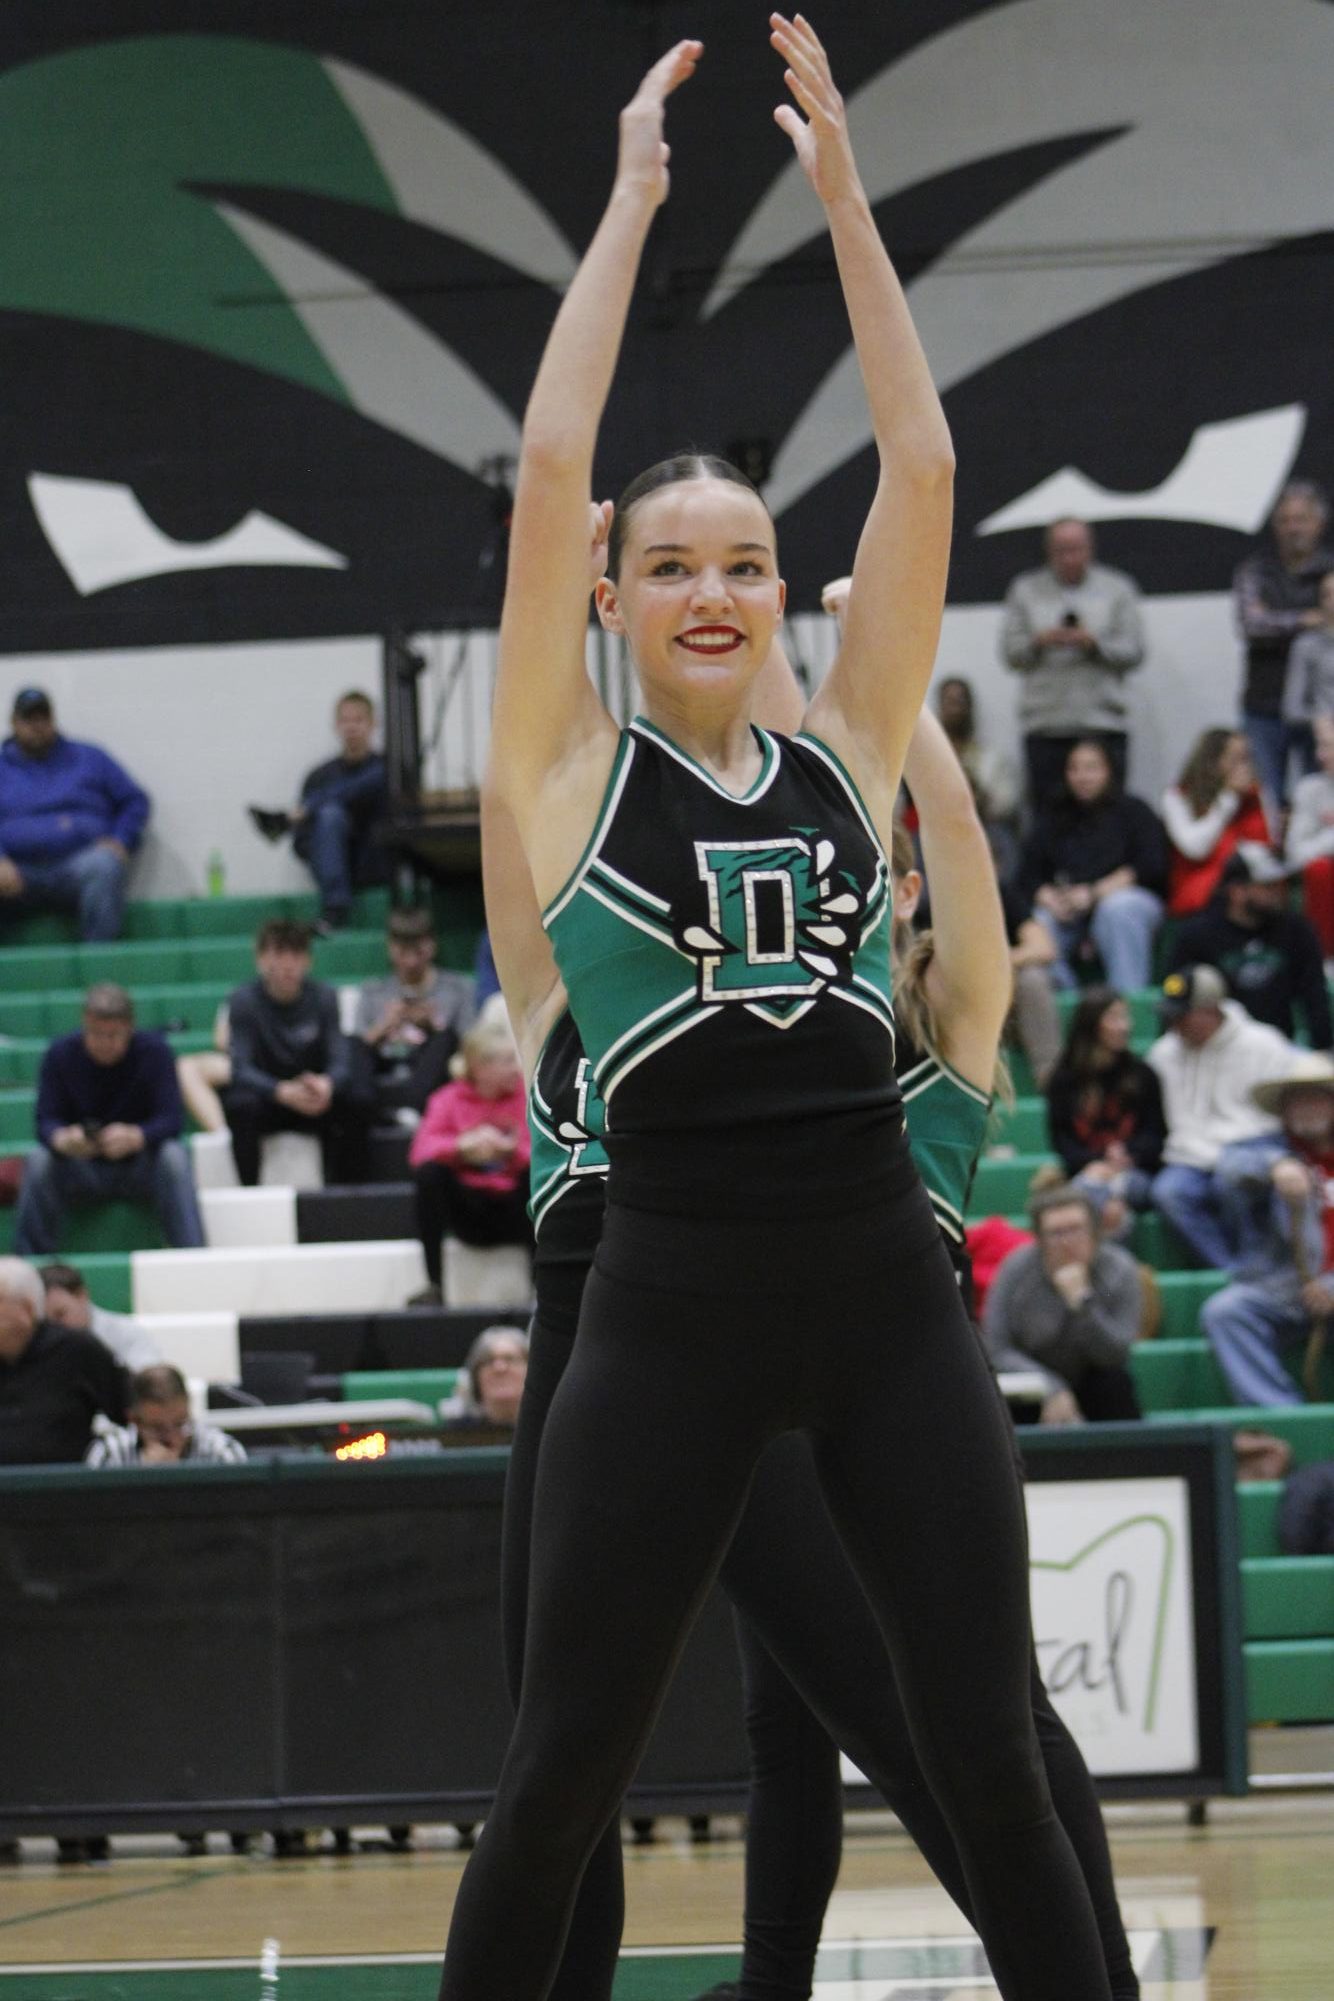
column 470, row 1153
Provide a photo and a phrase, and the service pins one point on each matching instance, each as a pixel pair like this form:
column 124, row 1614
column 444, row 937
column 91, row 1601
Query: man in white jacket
column 1207, row 1061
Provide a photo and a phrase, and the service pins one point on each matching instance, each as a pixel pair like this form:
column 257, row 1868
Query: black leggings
column 698, row 1343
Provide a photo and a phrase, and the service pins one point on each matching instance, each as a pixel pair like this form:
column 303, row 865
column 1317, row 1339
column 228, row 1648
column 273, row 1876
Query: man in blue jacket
column 70, row 818
column 109, row 1120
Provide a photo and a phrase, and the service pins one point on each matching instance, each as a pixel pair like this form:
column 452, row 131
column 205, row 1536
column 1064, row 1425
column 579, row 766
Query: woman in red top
column 470, row 1153
column 1214, row 804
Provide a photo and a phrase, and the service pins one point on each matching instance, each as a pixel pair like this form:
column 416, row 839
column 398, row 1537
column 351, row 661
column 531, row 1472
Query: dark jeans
column 1044, row 758
column 393, row 1087
column 1273, row 742
column 447, row 1207
column 90, row 882
column 1107, row 1395
column 339, row 853
column 160, row 1175
column 343, row 1133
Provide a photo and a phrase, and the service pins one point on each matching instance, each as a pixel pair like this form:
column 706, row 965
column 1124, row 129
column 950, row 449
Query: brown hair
column 363, row 701
column 409, row 927
column 911, row 953
column 283, row 934
column 1201, row 776
column 160, row 1384
column 668, row 472
column 108, row 1002
column 1066, row 1196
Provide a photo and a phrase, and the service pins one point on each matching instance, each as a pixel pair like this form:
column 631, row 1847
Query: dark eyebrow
column 683, row 548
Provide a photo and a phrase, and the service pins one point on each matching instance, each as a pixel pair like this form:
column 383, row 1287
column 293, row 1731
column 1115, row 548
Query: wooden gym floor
column 1238, row 1910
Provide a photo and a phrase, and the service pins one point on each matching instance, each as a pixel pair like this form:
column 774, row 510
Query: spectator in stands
column 990, row 772
column 1279, row 1189
column 1035, row 1022
column 485, row 978
column 292, row 1066
column 54, row 1381
column 495, row 1370
column 333, row 823
column 1308, row 691
column 1105, row 1112
column 160, row 1430
column 1208, row 1059
column 409, row 1025
column 1073, row 630
column 1214, row 805
column 1275, row 592
column 470, row 1153
column 70, row 818
column 1269, row 955
column 109, row 1121
column 68, row 1304
column 1068, row 1305
column 1094, row 870
column 1310, row 844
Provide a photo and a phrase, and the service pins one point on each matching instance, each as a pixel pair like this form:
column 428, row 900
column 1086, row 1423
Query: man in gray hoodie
column 1073, row 630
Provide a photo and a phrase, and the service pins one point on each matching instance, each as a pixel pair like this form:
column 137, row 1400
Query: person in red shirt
column 471, row 1152
column 1214, row 805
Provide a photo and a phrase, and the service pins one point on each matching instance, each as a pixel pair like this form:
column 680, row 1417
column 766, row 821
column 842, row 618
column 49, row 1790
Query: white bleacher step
column 498, row 1275
column 205, row 1347
column 245, row 1218
column 289, row 1278
column 286, row 1160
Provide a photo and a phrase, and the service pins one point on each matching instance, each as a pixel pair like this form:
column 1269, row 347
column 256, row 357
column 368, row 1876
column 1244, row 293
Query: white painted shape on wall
column 443, row 178
column 102, row 536
column 1229, row 475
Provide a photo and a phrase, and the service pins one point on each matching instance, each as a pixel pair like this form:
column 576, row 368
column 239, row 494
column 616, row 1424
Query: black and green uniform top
column 726, row 958
column 947, row 1123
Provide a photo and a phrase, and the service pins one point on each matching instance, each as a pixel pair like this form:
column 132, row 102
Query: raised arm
column 969, row 979
column 868, row 703
column 548, row 719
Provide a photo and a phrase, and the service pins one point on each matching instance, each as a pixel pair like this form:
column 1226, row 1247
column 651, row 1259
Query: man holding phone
column 1073, row 630
column 109, row 1120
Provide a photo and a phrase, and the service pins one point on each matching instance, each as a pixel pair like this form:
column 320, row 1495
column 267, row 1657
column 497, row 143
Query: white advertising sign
column 1112, row 1613
column 1113, row 1619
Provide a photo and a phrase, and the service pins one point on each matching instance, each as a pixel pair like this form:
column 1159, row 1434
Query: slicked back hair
column 669, row 472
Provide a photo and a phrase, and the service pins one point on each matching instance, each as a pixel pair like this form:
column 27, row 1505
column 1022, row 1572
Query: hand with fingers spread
column 821, row 138
column 641, row 164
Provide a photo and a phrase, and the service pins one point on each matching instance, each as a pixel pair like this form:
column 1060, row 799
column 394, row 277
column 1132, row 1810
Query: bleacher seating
column 314, row 1280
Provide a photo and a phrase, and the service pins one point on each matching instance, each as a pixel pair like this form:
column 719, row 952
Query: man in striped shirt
column 161, row 1431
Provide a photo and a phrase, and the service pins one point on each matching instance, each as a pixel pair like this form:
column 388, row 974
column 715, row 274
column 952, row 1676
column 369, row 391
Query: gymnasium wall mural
column 272, row 290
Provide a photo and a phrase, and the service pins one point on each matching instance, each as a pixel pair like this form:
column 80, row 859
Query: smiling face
column 698, row 596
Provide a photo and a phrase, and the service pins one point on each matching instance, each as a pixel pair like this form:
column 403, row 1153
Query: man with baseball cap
column 1207, row 1060
column 1279, row 1192
column 70, row 818
column 1269, row 954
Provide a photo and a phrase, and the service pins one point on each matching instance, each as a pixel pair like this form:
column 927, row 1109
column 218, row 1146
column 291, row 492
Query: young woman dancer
column 785, row 1564
column 719, row 909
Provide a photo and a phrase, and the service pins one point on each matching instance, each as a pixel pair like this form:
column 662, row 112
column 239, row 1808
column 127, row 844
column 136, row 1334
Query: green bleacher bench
column 230, row 916
column 1288, row 1597
column 1257, row 1516
column 1022, row 1126
column 428, row 1386
column 107, row 1274
column 1176, row 1375
column 1183, row 1293
column 105, row 1227
column 1001, row 1185
column 1289, row 1681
